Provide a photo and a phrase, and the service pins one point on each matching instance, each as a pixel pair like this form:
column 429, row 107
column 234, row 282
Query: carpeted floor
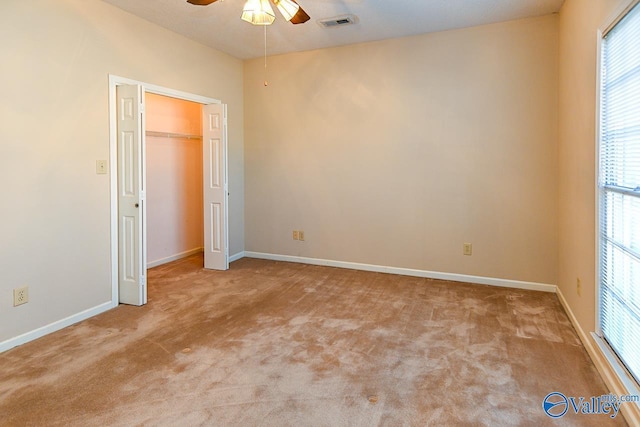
column 279, row 344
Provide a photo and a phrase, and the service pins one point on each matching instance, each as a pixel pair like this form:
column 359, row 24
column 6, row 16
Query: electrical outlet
column 301, row 235
column 295, row 235
column 578, row 286
column 20, row 296
column 466, row 249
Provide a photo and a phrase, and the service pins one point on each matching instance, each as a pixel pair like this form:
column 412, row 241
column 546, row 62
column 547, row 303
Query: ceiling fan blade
column 301, row 17
column 201, row 2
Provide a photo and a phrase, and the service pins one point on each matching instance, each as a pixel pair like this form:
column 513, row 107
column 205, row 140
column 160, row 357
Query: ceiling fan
column 259, row 12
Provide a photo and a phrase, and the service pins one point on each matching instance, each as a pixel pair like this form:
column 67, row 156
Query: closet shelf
column 172, row 135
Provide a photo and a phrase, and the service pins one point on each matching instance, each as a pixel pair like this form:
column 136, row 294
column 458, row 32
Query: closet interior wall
column 174, row 178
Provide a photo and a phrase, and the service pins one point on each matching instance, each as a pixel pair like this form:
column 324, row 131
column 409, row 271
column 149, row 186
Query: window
column 619, row 191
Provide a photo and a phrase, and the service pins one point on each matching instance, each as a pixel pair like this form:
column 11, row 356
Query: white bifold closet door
column 132, row 253
column 132, row 249
column 215, row 188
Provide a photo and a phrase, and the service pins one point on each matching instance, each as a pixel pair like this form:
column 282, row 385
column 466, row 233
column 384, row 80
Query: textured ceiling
column 219, row 26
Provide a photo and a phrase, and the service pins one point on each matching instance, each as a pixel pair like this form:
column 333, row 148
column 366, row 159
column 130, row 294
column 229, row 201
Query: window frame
column 623, row 380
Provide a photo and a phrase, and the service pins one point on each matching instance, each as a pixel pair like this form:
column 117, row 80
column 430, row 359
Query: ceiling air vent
column 338, row 21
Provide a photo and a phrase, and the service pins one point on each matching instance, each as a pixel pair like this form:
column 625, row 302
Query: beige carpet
column 272, row 344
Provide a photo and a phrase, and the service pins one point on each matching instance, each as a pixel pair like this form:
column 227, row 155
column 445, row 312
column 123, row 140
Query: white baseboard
column 55, row 326
column 68, row 321
column 610, row 374
column 174, row 257
column 236, row 257
column 408, row 272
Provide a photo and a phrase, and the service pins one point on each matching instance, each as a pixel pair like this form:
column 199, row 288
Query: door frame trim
column 115, row 81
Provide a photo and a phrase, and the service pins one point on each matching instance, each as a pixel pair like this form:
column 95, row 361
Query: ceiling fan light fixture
column 287, row 8
column 258, row 12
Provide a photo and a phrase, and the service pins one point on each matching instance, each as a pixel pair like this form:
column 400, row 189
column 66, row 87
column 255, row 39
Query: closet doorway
column 168, row 163
column 173, row 150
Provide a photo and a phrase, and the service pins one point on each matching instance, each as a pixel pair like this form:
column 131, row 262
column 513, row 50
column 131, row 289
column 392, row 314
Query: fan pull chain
column 266, row 83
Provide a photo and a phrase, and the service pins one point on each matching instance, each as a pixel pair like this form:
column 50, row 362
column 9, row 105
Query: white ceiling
column 220, row 27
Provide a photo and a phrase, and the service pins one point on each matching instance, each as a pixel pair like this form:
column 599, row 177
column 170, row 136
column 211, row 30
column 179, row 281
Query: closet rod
column 172, row 135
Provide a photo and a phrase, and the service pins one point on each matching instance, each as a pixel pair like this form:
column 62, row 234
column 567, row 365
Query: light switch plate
column 101, row 167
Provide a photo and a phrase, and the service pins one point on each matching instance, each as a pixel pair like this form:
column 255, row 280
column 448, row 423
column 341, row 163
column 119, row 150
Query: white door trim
column 113, row 164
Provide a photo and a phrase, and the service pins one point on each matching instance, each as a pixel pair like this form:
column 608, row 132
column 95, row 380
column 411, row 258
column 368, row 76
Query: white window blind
column 619, row 191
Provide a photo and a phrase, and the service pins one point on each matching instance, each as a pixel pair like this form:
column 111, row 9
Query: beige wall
column 391, row 153
column 397, row 152
column 579, row 23
column 175, row 222
column 54, row 125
